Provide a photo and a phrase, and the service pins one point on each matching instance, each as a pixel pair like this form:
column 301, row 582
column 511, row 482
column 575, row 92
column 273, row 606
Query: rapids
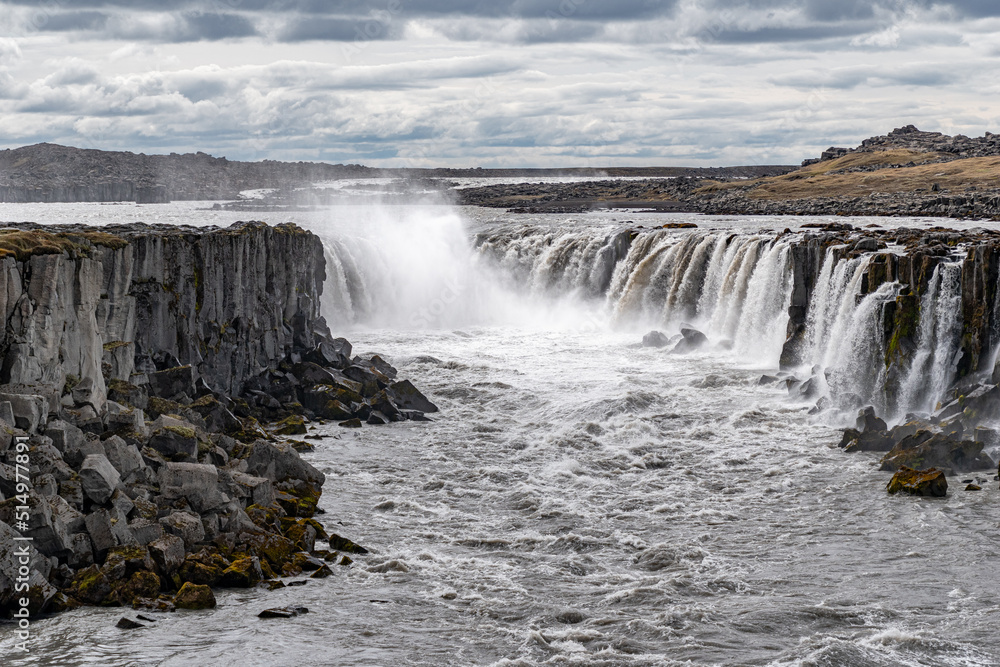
column 582, row 500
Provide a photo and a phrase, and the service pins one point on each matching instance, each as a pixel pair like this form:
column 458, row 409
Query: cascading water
column 932, row 368
column 736, row 288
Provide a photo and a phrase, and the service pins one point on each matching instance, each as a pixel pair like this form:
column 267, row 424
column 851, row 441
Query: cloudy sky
column 495, row 82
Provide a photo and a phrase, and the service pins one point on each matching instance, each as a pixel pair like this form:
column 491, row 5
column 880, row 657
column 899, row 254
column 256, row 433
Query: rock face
column 138, row 364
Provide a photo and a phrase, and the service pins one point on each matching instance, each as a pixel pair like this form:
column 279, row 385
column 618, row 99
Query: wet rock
column 973, row 487
column 128, row 624
column 351, row 423
column 195, row 597
column 322, row 572
column 692, row 340
column 929, row 482
column 869, row 421
column 655, row 339
column 925, row 449
column 283, row 612
column 866, row 441
column 338, row 543
column 407, row 397
column 243, row 573
column 570, row 617
column 291, row 425
column 766, row 380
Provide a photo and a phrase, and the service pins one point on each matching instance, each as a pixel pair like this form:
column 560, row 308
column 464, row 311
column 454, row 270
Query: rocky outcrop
column 912, row 139
column 141, row 366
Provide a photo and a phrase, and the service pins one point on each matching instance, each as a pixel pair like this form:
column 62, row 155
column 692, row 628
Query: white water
column 581, row 500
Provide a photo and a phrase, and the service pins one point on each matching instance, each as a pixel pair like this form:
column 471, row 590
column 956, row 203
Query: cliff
column 150, row 378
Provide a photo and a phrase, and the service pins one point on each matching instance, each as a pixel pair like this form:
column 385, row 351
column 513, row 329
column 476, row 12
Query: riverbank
column 159, row 376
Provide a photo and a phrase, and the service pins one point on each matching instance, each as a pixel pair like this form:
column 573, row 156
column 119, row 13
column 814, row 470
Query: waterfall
column 428, row 271
column 932, row 368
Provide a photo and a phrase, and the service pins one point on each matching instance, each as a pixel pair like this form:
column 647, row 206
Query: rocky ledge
column 151, row 377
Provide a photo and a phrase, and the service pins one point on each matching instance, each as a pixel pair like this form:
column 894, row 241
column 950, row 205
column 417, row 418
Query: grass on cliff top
column 818, row 180
column 22, row 244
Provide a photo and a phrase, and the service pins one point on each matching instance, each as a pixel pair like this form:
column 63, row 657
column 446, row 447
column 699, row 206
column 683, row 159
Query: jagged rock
column 98, row 525
column 243, row 573
column 338, row 543
column 925, row 449
column 405, row 396
column 185, row 525
column 173, row 437
column 869, row 421
column 280, row 461
column 258, row 490
column 145, row 531
column 30, row 411
column 929, row 482
column 866, row 441
column 351, row 423
column 128, row 624
column 197, row 483
column 99, row 478
column 168, row 553
column 172, row 382
column 123, row 456
column 66, row 437
column 194, row 596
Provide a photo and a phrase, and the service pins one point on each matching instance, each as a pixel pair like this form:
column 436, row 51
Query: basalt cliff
column 151, row 382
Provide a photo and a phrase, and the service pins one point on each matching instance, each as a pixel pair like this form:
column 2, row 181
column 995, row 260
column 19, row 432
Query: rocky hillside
column 905, row 173
column 150, row 379
column 52, row 173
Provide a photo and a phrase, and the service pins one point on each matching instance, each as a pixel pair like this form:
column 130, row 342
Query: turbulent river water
column 583, row 500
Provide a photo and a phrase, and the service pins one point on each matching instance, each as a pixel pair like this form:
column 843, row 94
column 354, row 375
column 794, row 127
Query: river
column 581, row 499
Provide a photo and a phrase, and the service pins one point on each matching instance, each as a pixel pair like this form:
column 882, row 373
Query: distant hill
column 53, row 173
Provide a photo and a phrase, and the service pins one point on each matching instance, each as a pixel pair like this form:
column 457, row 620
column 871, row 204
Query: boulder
column 198, row 483
column 66, row 437
column 925, row 449
column 184, row 525
column 98, row 525
column 405, row 396
column 168, row 553
column 257, row 490
column 283, row 612
column 865, row 441
column 99, row 478
column 929, row 482
column 868, row 421
column 123, row 456
column 655, row 339
column 280, row 461
column 30, row 411
column 692, row 341
column 173, row 382
column 243, row 573
column 194, row 596
column 173, row 437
